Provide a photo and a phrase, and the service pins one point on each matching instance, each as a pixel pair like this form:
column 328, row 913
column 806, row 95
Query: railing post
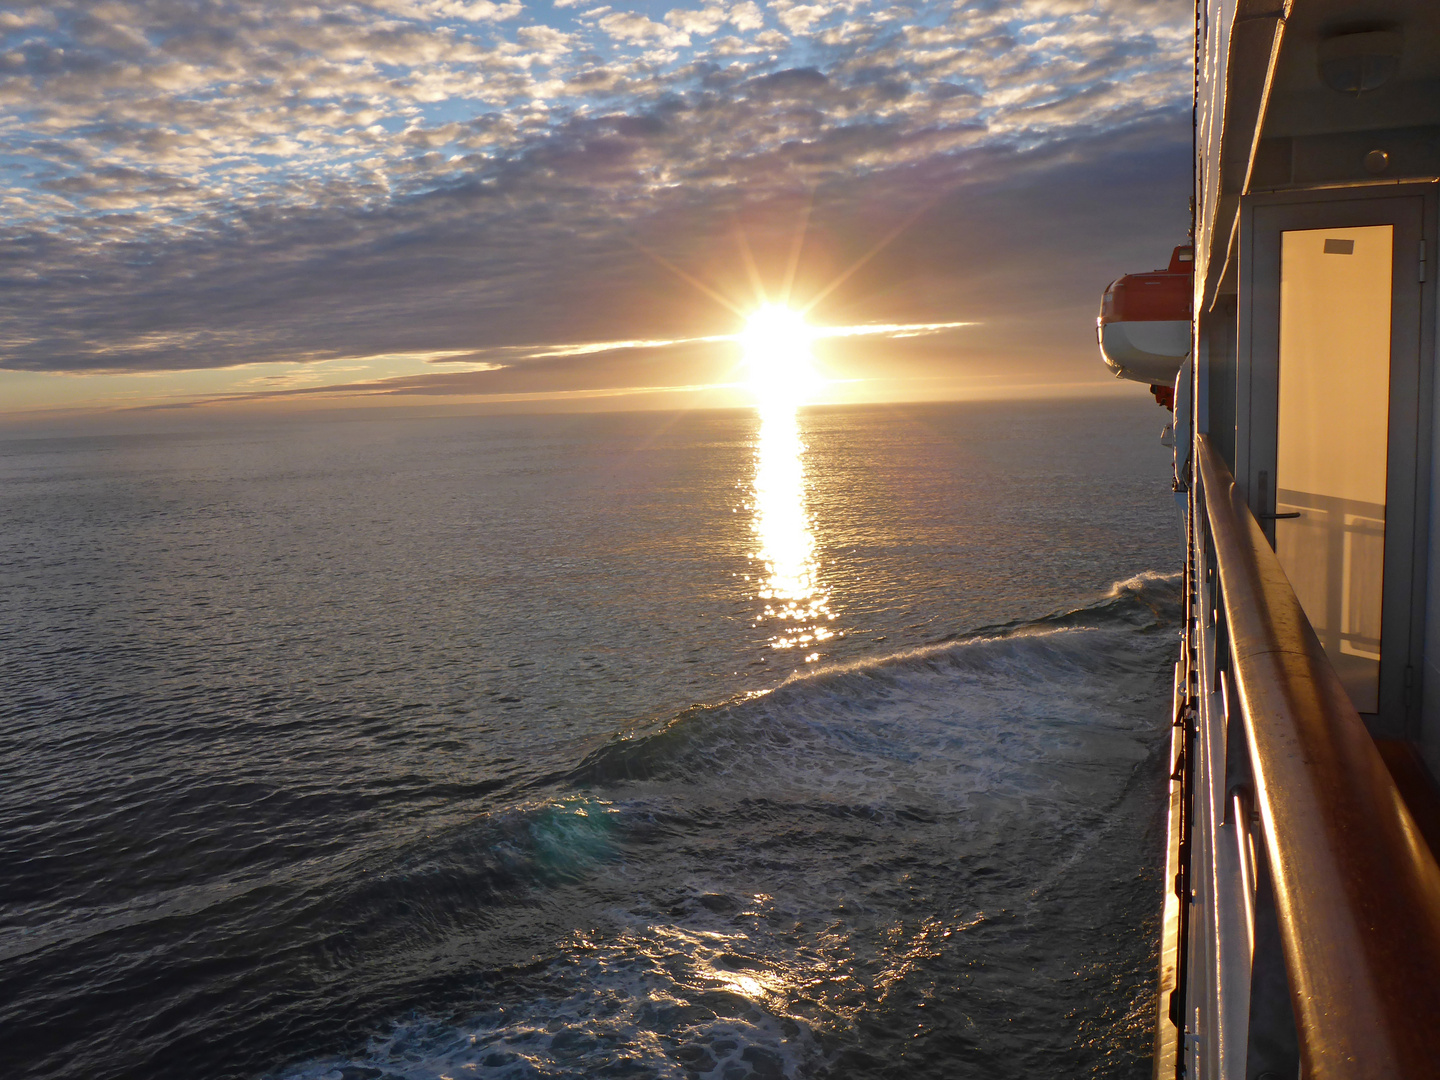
column 1272, row 1051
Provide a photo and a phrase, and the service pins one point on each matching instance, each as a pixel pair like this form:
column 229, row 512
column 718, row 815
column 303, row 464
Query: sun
column 777, row 341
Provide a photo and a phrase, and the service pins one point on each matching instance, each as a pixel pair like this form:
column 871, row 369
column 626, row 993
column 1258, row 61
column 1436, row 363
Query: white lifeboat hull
column 1147, row 351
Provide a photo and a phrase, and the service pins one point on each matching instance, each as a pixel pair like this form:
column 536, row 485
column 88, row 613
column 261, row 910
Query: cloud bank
column 210, row 184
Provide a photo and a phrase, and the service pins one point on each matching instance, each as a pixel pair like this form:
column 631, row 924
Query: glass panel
column 1335, row 287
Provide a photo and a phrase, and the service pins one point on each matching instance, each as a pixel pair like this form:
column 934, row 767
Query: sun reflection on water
column 796, row 602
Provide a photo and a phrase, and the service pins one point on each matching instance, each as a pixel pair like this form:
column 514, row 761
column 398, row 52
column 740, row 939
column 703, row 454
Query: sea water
column 725, row 745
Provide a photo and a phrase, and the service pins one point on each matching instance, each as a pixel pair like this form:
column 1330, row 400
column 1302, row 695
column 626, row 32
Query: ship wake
column 942, row 861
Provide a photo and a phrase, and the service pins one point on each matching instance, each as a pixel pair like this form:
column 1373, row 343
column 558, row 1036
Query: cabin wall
column 1425, row 727
column 1218, row 407
column 1260, row 87
column 1429, row 733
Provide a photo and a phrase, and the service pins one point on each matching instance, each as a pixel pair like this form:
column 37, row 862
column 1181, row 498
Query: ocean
column 718, row 744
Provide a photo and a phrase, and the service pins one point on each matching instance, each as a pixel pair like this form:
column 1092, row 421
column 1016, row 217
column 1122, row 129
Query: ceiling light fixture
column 1357, row 63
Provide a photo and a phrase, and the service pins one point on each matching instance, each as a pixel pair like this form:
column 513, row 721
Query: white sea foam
column 657, row 1001
column 1008, row 713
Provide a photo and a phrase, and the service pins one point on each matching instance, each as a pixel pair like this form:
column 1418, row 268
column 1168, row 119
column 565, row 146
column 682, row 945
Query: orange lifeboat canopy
column 1144, row 323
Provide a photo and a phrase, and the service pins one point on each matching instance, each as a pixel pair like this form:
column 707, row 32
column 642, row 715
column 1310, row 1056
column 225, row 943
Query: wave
column 768, row 886
column 1010, row 711
column 923, row 705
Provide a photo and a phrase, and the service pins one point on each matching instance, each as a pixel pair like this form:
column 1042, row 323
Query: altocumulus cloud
column 194, row 184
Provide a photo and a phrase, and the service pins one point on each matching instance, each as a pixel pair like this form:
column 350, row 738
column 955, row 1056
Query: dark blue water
column 627, row 745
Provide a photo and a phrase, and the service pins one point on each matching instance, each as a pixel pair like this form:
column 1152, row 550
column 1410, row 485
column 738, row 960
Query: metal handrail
column 1356, row 888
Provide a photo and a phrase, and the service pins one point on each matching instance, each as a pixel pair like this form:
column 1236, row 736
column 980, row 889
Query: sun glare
column 782, row 377
column 781, row 368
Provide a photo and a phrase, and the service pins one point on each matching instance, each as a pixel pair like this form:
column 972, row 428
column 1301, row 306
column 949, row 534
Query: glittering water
column 586, row 746
column 797, row 601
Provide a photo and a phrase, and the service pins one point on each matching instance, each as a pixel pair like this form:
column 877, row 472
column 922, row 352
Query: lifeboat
column 1144, row 324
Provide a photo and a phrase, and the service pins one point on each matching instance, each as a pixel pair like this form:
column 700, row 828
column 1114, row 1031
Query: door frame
column 1411, row 209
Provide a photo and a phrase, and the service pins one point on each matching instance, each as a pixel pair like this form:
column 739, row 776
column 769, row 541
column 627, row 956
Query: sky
column 227, row 206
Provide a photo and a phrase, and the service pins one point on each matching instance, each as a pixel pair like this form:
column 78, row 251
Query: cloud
column 746, row 16
column 798, row 18
column 281, row 182
column 474, row 10
column 636, row 29
column 601, row 368
column 702, row 22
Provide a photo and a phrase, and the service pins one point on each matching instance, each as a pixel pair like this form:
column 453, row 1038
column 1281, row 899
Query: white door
column 1331, row 439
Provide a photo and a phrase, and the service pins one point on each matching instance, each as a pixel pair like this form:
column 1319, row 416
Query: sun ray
column 797, row 245
column 748, row 257
column 688, row 278
column 885, row 241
